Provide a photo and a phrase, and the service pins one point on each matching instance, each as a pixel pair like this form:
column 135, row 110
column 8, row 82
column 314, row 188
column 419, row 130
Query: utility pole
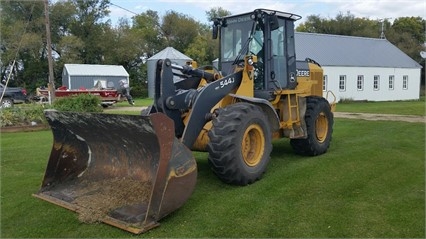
column 51, row 84
column 423, row 55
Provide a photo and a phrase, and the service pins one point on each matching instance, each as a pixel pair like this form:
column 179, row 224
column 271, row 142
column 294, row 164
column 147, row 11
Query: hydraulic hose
column 195, row 72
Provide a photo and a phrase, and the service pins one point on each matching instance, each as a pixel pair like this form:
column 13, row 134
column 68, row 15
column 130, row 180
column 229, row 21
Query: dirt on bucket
column 97, row 199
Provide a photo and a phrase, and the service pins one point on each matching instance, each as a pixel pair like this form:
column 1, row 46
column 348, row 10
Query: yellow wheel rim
column 253, row 145
column 321, row 127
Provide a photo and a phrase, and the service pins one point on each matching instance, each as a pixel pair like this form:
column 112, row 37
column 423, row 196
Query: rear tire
column 319, row 124
column 240, row 144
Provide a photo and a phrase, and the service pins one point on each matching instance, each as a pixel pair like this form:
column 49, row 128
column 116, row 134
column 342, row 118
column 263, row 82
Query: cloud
column 239, row 6
column 372, row 9
column 385, row 9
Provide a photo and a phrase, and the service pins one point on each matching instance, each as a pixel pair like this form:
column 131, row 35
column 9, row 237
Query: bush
column 346, row 100
column 139, row 92
column 30, row 114
column 78, row 103
column 18, row 116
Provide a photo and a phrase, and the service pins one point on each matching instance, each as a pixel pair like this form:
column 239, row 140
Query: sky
column 371, row 9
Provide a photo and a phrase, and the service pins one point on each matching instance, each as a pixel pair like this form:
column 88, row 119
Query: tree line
column 81, row 33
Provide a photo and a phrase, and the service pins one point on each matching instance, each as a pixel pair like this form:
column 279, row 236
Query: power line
column 123, row 8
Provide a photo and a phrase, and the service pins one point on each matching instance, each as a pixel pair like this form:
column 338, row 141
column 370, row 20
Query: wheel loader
column 130, row 171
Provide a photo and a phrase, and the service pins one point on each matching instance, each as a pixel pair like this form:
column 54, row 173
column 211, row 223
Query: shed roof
column 336, row 50
column 95, row 70
column 170, row 53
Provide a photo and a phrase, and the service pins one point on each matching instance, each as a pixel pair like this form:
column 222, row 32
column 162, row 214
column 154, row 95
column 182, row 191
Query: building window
column 405, row 82
column 324, row 83
column 391, row 82
column 342, row 82
column 360, row 82
column 376, row 82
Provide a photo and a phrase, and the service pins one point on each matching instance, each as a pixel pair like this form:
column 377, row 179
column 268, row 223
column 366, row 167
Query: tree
column 179, row 30
column 315, row 24
column 22, row 31
column 204, row 49
column 216, row 13
column 87, row 26
column 76, row 29
column 148, row 28
column 408, row 34
column 127, row 46
column 78, row 32
column 344, row 24
column 62, row 14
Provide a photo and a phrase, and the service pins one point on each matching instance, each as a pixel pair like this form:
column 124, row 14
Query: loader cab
column 267, row 34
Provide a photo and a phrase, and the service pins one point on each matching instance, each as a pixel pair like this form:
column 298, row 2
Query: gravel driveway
column 348, row 115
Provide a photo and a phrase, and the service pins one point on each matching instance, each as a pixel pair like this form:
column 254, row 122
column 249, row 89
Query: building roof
column 95, row 70
column 336, row 50
column 170, row 53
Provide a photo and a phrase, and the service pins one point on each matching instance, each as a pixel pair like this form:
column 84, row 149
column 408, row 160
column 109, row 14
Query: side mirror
column 215, row 31
column 274, row 22
column 215, row 28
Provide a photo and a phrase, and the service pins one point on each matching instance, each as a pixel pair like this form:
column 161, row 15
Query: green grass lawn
column 370, row 184
column 138, row 102
column 385, row 107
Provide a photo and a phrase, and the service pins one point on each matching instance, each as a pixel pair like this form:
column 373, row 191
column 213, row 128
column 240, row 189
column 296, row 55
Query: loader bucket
column 124, row 170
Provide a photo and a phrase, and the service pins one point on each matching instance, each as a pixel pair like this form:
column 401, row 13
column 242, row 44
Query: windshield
column 235, row 35
column 256, row 44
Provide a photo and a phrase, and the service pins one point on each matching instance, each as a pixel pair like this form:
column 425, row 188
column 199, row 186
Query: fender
column 266, row 106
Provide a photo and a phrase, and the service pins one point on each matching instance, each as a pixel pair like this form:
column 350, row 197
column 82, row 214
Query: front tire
column 240, row 144
column 319, row 124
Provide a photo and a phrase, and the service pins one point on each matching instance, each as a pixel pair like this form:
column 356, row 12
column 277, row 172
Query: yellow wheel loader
column 131, row 171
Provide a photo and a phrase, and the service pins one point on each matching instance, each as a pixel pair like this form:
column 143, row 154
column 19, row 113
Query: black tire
column 6, row 103
column 319, row 123
column 233, row 161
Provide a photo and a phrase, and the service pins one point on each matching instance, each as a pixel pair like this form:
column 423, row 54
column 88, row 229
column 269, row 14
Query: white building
column 76, row 76
column 358, row 68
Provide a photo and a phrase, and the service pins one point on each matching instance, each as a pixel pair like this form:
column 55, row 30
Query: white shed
column 174, row 55
column 359, row 68
column 76, row 76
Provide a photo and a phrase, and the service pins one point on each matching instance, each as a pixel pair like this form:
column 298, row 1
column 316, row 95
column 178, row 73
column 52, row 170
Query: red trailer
column 108, row 96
